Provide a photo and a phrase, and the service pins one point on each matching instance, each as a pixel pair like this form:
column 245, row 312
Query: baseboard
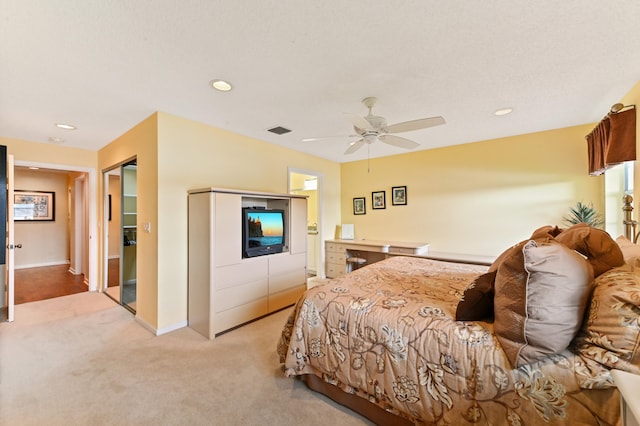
column 173, row 327
column 39, row 265
column 146, row 325
column 161, row 331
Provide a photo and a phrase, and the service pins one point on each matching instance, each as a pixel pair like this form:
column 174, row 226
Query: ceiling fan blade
column 358, row 121
column 354, row 146
column 398, row 141
column 421, row 123
column 329, row 137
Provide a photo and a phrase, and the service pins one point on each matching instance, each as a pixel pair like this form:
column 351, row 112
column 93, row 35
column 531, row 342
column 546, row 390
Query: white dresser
column 227, row 289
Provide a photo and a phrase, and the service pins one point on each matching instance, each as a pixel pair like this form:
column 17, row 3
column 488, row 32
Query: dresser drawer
column 401, row 250
column 337, row 258
column 335, row 248
column 334, row 271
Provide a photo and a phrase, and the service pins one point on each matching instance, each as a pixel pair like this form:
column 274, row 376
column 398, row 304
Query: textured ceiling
column 105, row 65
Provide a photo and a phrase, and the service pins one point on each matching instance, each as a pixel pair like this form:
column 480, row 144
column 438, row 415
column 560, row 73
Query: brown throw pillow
column 477, row 301
column 547, row 231
column 601, row 250
column 541, row 293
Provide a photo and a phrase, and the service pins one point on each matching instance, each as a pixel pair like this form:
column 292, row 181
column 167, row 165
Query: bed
column 528, row 340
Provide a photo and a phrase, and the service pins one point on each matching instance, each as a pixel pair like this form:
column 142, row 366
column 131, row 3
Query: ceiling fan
column 372, row 128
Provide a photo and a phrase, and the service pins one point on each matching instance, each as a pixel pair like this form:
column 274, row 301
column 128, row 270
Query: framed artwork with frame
column 359, row 206
column 378, row 200
column 34, row 206
column 399, row 195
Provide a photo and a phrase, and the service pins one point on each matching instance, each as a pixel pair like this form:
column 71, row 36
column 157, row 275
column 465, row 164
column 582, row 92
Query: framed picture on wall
column 359, row 206
column 399, row 195
column 34, row 206
column 378, row 200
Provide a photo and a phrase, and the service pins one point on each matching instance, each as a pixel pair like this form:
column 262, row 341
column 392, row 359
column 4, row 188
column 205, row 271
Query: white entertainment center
column 227, row 289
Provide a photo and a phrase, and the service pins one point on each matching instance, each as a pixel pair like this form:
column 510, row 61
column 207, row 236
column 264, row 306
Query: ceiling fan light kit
column 372, row 128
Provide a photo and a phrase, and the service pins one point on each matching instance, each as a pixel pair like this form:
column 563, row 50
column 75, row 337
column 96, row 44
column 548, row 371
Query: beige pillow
column 610, row 334
column 630, row 251
column 541, row 293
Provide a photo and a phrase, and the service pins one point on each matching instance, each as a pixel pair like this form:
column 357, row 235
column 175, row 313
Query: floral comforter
column 387, row 333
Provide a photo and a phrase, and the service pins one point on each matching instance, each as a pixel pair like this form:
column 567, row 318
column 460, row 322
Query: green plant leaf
column 584, row 213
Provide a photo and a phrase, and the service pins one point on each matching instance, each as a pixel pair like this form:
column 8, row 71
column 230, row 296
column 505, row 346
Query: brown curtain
column 612, row 141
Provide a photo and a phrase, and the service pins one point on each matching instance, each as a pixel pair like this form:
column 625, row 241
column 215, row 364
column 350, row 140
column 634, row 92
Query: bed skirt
column 363, row 407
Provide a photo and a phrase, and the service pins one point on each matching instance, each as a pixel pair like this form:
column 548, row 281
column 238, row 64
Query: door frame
column 320, row 273
column 92, row 202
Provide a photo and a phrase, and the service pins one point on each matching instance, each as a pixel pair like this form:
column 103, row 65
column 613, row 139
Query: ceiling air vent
column 279, row 130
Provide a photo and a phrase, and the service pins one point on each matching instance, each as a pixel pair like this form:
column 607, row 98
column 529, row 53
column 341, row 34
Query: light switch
column 146, row 226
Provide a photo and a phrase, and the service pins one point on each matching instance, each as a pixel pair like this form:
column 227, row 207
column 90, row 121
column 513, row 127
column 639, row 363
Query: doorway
column 120, row 218
column 77, row 217
column 51, row 258
column 309, row 183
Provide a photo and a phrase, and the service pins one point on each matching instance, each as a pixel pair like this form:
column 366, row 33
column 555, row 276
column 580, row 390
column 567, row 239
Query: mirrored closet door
column 121, row 225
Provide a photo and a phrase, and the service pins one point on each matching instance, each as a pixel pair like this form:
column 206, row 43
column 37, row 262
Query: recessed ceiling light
column 34, row 168
column 65, row 126
column 504, row 111
column 54, row 139
column 221, row 85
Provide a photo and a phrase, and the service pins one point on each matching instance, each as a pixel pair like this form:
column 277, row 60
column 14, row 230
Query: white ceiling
column 105, row 65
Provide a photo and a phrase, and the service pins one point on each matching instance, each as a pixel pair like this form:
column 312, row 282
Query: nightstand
column 629, row 386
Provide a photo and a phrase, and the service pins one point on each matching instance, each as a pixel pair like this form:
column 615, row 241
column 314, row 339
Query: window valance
column 613, row 140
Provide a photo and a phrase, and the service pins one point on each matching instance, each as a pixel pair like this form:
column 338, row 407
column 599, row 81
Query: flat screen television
column 263, row 231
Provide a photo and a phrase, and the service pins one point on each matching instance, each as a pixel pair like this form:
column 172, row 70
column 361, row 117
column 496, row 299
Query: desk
column 336, row 252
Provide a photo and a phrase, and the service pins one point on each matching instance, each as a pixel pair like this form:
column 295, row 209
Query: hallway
column 47, row 282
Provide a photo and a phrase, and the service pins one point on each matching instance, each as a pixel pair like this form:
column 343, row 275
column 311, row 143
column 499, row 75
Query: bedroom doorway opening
column 309, row 183
column 60, row 249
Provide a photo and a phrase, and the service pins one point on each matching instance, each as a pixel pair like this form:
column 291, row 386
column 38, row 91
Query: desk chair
column 354, row 261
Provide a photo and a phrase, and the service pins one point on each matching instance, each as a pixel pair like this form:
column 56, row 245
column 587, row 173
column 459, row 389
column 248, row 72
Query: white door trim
column 92, row 202
column 320, row 191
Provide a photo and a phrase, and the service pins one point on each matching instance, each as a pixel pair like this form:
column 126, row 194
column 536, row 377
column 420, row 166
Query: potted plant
column 584, row 213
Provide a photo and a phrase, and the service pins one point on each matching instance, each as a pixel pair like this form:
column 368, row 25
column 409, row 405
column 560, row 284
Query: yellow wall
column 193, row 155
column 175, row 155
column 49, row 153
column 477, row 198
column 140, row 143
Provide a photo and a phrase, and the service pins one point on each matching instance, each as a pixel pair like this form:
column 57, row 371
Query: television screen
column 263, row 232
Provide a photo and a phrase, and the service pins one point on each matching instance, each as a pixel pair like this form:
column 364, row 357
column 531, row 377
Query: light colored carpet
column 83, row 360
